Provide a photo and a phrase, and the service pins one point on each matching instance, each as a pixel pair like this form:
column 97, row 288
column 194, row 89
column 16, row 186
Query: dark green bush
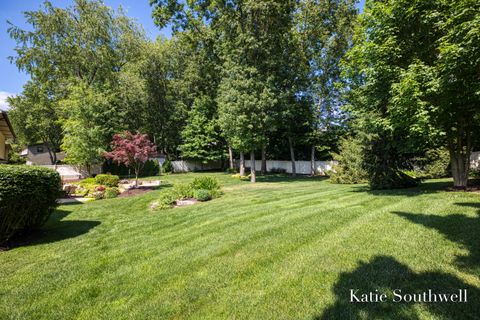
column 108, row 180
column 435, row 164
column 202, row 195
column 27, row 198
column 167, row 167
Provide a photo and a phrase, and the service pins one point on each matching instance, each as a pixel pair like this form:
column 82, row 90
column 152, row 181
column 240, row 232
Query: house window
column 40, row 149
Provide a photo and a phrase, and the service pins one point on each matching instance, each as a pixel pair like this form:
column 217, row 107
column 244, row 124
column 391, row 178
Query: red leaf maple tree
column 132, row 150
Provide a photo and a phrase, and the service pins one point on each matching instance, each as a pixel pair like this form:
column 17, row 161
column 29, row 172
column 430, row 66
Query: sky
column 12, row 80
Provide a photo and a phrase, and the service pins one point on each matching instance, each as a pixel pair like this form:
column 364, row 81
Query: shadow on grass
column 424, row 188
column 54, row 230
column 459, row 228
column 386, row 274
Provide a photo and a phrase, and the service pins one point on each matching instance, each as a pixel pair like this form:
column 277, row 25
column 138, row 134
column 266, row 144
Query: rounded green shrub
column 27, row 198
column 111, row 192
column 202, row 195
column 108, row 180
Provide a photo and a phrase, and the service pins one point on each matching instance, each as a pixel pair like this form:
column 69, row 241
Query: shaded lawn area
column 280, row 249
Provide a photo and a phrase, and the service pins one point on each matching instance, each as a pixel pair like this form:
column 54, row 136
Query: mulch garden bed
column 135, row 191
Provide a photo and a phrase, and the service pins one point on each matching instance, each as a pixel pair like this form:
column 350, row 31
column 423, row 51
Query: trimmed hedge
column 28, row 196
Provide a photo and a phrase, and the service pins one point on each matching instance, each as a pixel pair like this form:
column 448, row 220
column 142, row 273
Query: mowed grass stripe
column 274, row 250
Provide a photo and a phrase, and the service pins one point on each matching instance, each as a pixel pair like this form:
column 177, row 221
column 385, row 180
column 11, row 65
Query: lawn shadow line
column 459, row 228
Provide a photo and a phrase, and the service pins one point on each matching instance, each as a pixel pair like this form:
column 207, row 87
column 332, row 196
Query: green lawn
column 280, row 249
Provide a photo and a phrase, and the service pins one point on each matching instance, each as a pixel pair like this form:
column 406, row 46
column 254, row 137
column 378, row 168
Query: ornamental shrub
column 108, row 180
column 202, row 195
column 183, row 191
column 206, row 183
column 27, row 198
column 111, row 192
column 166, row 200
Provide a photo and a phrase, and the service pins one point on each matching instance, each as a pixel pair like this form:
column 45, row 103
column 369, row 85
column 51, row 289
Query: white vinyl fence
column 475, row 159
column 302, row 167
column 191, row 166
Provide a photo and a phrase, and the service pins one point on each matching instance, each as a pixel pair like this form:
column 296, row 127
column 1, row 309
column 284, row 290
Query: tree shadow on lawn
column 386, row 274
column 54, row 230
column 424, row 188
column 459, row 228
column 287, row 178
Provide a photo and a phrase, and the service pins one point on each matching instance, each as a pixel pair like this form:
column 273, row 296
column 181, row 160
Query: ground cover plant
column 280, row 249
column 103, row 186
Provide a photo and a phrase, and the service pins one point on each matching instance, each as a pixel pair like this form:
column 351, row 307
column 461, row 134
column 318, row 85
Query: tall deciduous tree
column 415, row 84
column 80, row 48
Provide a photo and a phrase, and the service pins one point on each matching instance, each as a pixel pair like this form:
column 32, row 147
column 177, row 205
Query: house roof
column 5, row 126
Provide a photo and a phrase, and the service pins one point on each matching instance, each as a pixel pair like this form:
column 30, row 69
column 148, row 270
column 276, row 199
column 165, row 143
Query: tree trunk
column 242, row 165
column 460, row 165
column 312, row 160
column 253, row 175
column 292, row 156
column 264, row 161
column 137, row 171
column 89, row 169
column 230, row 156
column 51, row 154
